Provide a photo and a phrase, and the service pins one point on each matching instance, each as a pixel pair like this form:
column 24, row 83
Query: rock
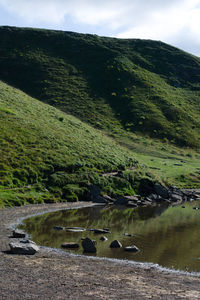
column 161, row 191
column 100, row 231
column 127, row 234
column 183, row 206
column 89, row 246
column 109, row 199
column 24, row 247
column 75, row 229
column 115, row 244
column 19, row 234
column 121, row 201
column 107, row 229
column 132, row 248
column 176, row 198
column 103, row 238
column 131, row 204
column 70, row 245
column 100, row 199
column 58, row 228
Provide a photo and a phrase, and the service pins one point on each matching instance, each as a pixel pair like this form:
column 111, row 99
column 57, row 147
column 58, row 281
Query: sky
column 176, row 22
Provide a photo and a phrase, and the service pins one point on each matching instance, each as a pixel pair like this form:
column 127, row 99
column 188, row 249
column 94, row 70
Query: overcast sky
column 176, row 22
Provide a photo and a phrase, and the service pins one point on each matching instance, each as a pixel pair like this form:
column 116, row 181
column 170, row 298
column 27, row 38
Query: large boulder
column 89, row 246
column 161, row 191
column 25, row 247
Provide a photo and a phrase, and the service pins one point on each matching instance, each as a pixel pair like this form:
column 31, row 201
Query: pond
column 168, row 236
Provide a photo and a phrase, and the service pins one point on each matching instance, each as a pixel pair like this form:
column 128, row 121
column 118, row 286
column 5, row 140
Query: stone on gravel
column 24, row 247
column 89, row 246
column 19, row 234
column 70, row 245
column 115, row 244
column 132, row 248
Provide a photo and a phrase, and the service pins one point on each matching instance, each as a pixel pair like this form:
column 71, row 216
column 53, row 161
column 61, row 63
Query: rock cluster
column 153, row 194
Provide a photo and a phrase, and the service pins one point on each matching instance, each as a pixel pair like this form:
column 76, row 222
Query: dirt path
column 52, row 275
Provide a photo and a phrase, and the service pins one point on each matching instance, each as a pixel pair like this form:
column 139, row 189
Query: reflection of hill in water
column 167, row 236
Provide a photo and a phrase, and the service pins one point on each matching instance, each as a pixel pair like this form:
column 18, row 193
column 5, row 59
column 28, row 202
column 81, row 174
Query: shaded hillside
column 139, row 85
column 55, row 155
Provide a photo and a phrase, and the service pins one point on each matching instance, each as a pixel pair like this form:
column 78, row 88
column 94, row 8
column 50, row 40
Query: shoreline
column 160, row 283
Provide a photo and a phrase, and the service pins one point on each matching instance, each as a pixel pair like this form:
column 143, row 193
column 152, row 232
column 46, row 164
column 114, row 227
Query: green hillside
column 106, row 105
column 43, row 148
column 143, row 86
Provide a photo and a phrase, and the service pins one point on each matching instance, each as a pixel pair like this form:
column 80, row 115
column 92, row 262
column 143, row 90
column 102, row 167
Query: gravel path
column 53, row 275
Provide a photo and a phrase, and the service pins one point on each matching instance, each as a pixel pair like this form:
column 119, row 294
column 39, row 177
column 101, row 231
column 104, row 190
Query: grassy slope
column 140, row 85
column 131, row 89
column 42, row 147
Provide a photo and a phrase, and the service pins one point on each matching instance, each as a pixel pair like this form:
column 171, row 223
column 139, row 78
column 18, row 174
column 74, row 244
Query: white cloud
column 173, row 21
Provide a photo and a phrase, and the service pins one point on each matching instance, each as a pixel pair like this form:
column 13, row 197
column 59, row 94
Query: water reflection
column 167, row 236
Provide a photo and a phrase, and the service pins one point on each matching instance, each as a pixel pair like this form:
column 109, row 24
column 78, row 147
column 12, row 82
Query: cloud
column 173, row 21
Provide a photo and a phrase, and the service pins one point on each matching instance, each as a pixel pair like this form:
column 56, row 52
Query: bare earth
column 53, row 275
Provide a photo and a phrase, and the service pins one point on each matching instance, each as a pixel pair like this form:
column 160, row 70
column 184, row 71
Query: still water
column 169, row 236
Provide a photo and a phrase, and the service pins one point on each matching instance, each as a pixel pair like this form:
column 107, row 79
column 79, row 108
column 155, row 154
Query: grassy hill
column 43, row 148
column 145, row 95
column 143, row 86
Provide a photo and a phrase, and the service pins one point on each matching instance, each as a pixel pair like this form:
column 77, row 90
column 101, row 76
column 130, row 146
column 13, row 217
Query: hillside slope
column 143, row 86
column 43, row 148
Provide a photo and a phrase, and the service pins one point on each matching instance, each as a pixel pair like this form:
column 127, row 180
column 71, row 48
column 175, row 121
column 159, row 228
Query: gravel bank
column 52, row 275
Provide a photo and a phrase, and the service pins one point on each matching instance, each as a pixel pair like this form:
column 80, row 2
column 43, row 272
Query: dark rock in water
column 58, row 228
column 115, row 244
column 100, row 231
column 19, row 234
column 103, row 238
column 132, row 248
column 107, row 229
column 127, row 234
column 70, row 245
column 161, row 191
column 25, row 247
column 89, row 246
